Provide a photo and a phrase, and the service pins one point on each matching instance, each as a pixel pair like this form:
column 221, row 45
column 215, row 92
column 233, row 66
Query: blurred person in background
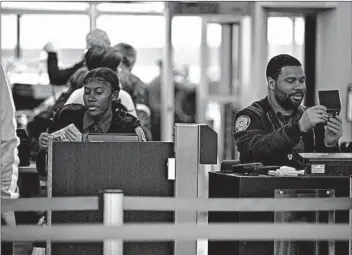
column 9, row 155
column 185, row 100
column 185, row 97
column 134, row 86
column 130, row 82
column 61, row 76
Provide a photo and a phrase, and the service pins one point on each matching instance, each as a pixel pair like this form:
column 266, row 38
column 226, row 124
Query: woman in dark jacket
column 102, row 113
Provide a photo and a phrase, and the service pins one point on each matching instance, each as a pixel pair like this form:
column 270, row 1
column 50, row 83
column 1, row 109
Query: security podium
column 138, row 169
column 262, row 186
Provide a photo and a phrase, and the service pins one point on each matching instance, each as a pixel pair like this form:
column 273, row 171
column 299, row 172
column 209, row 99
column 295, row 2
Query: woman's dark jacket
column 122, row 122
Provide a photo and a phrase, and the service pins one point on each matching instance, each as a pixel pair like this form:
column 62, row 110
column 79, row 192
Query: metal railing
column 112, row 203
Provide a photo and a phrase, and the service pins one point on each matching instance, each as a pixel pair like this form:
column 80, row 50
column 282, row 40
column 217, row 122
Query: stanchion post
column 49, row 192
column 111, row 208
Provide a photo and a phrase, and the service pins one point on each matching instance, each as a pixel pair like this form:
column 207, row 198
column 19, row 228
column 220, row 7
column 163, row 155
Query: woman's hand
column 44, row 140
column 140, row 134
column 73, row 134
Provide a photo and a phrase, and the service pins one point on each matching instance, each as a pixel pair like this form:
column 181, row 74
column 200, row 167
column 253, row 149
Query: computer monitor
column 125, row 137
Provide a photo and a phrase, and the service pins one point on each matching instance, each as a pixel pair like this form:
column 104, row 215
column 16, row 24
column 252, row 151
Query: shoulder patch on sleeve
column 242, row 123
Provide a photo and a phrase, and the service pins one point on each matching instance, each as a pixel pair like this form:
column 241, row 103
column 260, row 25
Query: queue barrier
column 184, row 204
column 113, row 231
column 167, row 232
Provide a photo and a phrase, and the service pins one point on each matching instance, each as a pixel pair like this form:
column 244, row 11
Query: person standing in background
column 61, row 76
column 134, row 86
column 9, row 155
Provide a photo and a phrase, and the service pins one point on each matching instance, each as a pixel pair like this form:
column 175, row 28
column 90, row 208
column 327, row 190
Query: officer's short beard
column 285, row 100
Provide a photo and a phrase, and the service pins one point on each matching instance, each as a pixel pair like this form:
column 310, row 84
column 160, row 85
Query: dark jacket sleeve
column 57, row 76
column 254, row 144
column 123, row 120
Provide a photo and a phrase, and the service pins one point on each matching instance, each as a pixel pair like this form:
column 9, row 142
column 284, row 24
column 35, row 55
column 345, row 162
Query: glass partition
column 283, row 247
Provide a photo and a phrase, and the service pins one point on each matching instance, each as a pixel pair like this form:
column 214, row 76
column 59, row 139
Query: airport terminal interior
column 140, row 112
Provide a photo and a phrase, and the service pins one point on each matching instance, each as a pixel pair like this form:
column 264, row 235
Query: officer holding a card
column 270, row 130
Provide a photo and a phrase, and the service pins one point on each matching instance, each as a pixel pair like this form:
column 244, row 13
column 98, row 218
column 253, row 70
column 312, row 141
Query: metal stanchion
column 111, row 207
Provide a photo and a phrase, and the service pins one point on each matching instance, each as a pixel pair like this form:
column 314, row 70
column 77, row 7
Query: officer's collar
column 104, row 122
column 273, row 111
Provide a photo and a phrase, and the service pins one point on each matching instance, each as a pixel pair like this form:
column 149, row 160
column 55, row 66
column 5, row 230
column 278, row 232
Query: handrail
column 189, row 204
column 168, row 232
column 112, row 203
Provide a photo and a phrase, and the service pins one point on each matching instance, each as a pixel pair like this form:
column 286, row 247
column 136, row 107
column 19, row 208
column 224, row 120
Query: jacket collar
column 275, row 117
column 267, row 107
column 104, row 122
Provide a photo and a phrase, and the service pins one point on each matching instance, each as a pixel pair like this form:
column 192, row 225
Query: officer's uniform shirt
column 91, row 126
column 288, row 119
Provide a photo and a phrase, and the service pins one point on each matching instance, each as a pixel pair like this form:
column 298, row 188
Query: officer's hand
column 44, row 139
column 313, row 116
column 73, row 135
column 49, row 47
column 140, row 134
column 333, row 131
